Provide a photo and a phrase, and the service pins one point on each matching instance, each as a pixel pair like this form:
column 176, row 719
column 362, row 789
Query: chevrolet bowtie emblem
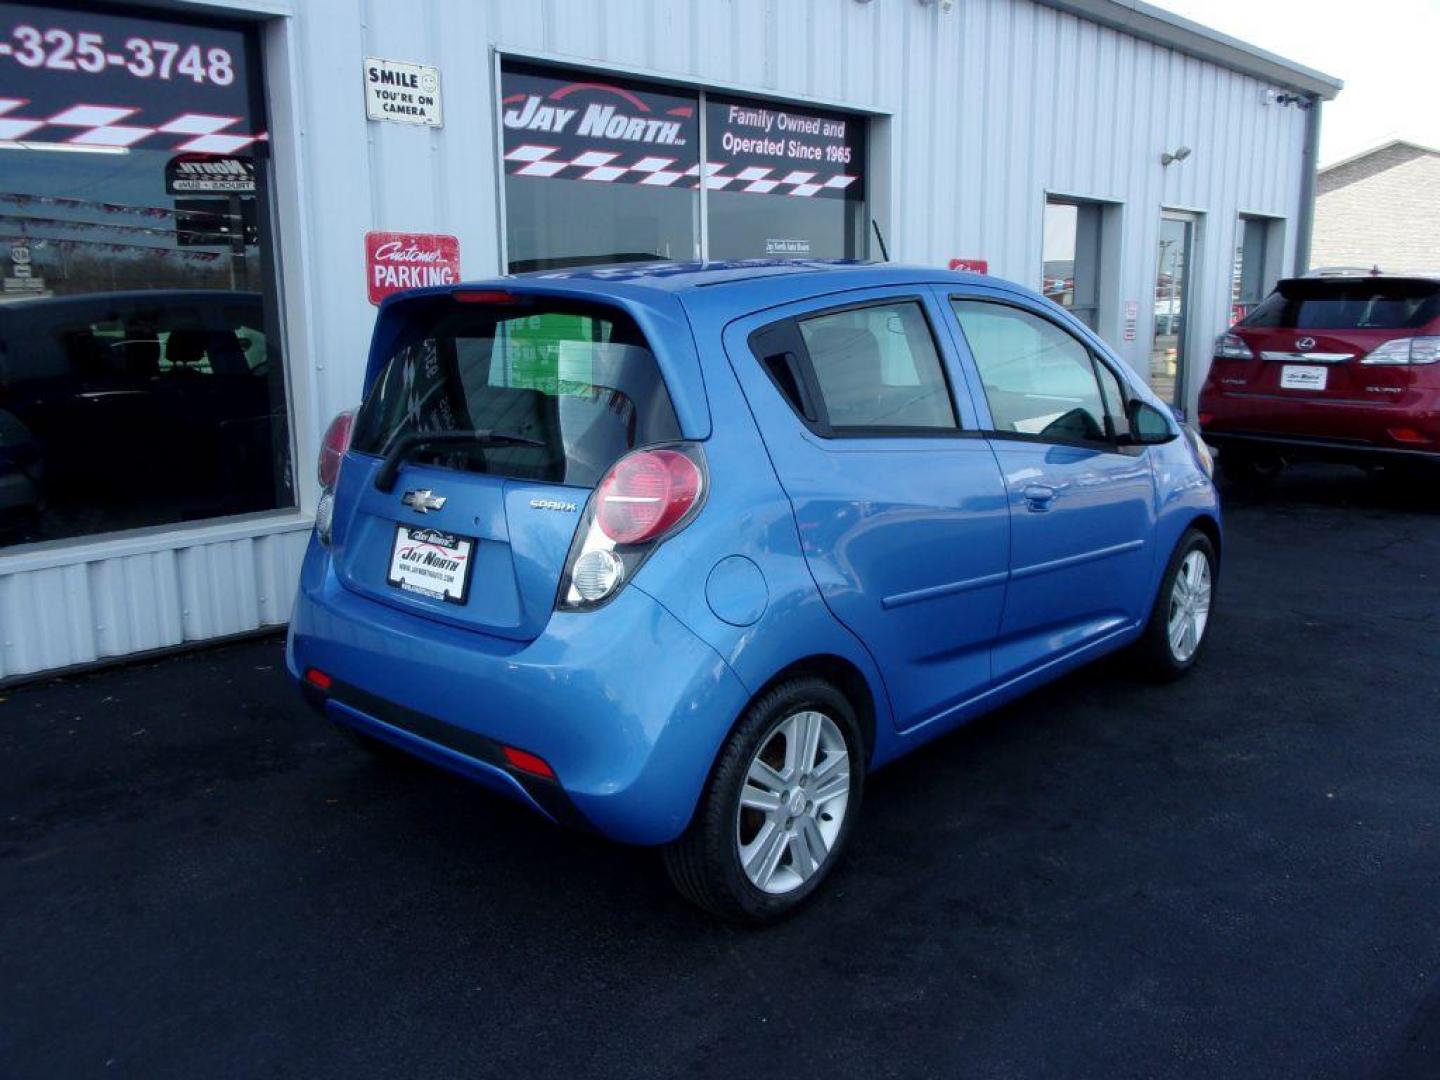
column 423, row 501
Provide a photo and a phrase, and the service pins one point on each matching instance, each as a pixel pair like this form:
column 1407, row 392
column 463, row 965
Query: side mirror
column 1148, row 425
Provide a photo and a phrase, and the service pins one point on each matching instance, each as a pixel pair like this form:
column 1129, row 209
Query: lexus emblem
column 1305, row 343
column 423, row 501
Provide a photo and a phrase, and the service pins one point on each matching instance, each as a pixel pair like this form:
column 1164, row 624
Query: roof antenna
column 880, row 237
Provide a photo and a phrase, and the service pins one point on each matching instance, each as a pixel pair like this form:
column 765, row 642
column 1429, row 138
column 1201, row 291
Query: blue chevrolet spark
column 680, row 553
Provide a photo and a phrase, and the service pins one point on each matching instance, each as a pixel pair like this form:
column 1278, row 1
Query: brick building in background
column 1380, row 208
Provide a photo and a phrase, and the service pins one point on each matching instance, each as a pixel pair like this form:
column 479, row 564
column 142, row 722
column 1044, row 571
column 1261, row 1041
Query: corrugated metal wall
column 993, row 104
column 79, row 608
column 989, row 107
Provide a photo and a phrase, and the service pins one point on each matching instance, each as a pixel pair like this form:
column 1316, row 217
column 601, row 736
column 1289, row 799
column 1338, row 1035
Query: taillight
column 333, row 447
column 1232, row 347
column 1415, row 350
column 332, row 452
column 646, row 496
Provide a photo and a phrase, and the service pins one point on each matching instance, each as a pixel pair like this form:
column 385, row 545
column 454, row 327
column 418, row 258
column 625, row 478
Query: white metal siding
column 993, row 105
column 110, row 605
column 989, row 107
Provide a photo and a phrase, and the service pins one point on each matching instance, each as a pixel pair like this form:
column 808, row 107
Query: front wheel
column 778, row 809
column 1180, row 617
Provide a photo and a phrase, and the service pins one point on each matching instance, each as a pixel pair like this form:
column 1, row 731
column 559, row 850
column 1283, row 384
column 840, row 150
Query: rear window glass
column 1317, row 304
column 579, row 379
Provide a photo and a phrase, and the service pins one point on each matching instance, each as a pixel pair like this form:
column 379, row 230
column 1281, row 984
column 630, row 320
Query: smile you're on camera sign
column 402, row 92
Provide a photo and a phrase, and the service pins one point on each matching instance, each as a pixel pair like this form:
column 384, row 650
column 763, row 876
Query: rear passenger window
column 877, row 367
column 1038, row 379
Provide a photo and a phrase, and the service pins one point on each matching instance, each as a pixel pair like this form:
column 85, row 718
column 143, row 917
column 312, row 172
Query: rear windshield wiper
column 405, row 445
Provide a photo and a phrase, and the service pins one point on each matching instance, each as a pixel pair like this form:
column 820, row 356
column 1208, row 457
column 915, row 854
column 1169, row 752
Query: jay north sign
column 579, row 127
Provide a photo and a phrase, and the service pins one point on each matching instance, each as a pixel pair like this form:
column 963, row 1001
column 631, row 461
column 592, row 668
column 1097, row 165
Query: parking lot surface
column 1236, row 875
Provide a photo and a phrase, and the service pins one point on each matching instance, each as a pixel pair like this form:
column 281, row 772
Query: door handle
column 1038, row 496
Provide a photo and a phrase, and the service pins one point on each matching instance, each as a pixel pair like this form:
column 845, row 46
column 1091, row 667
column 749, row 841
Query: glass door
column 1172, row 293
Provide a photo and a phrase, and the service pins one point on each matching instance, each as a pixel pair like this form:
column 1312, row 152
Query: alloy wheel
column 1189, row 606
column 793, row 802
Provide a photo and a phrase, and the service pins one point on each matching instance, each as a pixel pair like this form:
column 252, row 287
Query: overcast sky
column 1385, row 50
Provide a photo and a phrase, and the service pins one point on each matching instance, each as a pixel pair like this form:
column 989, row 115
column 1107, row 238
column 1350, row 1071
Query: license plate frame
column 421, row 561
column 1304, row 377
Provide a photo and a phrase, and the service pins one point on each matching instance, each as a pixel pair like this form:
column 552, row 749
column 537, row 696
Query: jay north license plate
column 431, row 563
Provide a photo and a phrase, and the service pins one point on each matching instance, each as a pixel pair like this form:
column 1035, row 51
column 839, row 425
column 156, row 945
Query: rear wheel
column 1180, row 618
column 778, row 810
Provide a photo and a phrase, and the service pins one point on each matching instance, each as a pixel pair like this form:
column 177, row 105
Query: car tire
column 1250, row 470
column 727, row 861
column 1163, row 657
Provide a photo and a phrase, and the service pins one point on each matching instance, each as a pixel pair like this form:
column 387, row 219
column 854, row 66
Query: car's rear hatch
column 475, row 528
column 1309, row 338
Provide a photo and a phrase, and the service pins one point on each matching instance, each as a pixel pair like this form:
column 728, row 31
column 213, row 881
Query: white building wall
column 983, row 110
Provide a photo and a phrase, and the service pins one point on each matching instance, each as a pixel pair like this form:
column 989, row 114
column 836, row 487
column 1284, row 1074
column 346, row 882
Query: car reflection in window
column 140, row 408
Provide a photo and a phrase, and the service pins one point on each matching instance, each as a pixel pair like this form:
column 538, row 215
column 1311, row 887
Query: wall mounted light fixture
column 1180, row 154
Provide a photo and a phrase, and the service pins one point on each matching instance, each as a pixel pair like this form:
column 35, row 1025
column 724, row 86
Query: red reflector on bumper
column 527, row 762
column 317, row 678
column 1408, row 435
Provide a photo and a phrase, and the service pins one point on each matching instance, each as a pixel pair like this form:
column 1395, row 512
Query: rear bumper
column 1322, row 428
column 625, row 704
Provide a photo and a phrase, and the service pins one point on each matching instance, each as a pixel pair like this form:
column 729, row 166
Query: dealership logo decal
column 596, row 122
column 616, row 132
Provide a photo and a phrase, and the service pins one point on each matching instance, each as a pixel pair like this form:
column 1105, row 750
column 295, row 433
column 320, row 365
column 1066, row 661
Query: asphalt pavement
column 1237, row 875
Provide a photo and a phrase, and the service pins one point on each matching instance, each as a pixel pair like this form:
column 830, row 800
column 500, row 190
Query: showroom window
column 141, row 378
column 597, row 170
column 1257, row 240
column 1072, row 257
column 783, row 183
column 606, row 170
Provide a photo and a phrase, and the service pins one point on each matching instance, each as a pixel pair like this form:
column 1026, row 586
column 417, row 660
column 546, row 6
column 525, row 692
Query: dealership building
column 200, row 203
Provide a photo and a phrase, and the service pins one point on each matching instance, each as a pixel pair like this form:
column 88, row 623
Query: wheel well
column 845, row 676
column 1211, row 528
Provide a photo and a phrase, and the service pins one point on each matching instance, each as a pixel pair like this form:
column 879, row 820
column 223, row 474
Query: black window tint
column 578, row 378
column 1038, row 379
column 877, row 367
column 1321, row 304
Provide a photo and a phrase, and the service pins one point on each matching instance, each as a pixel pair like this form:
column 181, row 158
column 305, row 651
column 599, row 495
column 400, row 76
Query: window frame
column 819, row 425
column 1112, row 441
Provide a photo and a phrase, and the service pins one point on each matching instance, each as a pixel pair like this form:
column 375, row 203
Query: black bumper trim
column 1304, row 448
column 550, row 796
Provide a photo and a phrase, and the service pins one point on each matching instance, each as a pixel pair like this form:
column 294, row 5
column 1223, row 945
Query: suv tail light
column 332, row 452
column 647, row 496
column 1232, row 347
column 1415, row 350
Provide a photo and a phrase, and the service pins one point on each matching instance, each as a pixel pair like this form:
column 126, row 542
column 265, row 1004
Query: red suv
column 1332, row 369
